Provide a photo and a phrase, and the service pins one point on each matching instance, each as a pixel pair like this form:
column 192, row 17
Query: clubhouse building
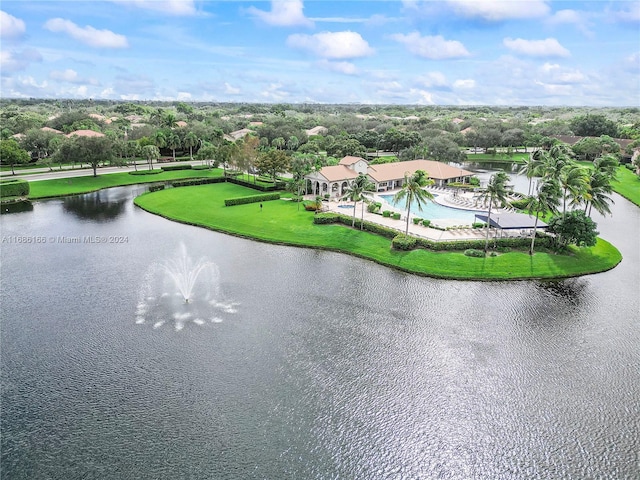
column 334, row 180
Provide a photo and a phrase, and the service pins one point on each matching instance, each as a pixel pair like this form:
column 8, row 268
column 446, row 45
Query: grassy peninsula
column 282, row 222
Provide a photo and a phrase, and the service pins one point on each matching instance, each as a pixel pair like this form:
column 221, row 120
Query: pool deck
column 461, row 201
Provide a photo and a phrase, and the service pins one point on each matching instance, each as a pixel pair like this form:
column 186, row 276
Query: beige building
column 334, row 180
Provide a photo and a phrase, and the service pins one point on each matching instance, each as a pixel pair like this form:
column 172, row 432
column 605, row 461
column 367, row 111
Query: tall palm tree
column 356, row 191
column 531, row 167
column 573, row 181
column 413, row 190
column 173, row 142
column 607, row 164
column 190, row 141
column 598, row 186
column 555, row 159
column 495, row 193
column 546, row 199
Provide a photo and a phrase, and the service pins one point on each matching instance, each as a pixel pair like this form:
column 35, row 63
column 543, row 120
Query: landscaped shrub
column 146, row 172
column 426, row 222
column 256, row 186
column 155, row 188
column 14, row 187
column 326, row 218
column 396, row 216
column 169, row 168
column 229, row 202
column 200, row 167
column 403, row 242
column 416, row 220
column 478, row 225
column 310, row 206
column 386, row 213
column 519, row 204
column 471, row 252
column 374, row 207
column 196, row 181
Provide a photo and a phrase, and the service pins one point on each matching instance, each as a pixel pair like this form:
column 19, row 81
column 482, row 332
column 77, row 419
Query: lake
column 302, row 364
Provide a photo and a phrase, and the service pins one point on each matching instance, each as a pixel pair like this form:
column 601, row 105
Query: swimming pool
column 434, row 211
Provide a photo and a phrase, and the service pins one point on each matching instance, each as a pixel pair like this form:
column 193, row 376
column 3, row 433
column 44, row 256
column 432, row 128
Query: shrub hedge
column 200, row 167
column 14, row 187
column 170, row 168
column 146, row 172
column 229, row 202
column 155, row 188
column 257, row 186
column 403, row 242
column 386, row 213
column 396, row 216
column 472, row 252
column 196, row 181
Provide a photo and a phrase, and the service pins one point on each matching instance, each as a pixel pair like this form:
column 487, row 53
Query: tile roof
column 349, row 160
column 85, row 133
column 338, row 172
column 396, row 170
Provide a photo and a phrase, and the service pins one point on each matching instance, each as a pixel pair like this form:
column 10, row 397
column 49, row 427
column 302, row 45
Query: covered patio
column 514, row 224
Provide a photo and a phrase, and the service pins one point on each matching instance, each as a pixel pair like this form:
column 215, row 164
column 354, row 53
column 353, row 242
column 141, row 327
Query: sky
column 449, row 52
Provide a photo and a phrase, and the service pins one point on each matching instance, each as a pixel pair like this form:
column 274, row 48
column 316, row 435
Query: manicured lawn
column 75, row 185
column 628, row 185
column 280, row 221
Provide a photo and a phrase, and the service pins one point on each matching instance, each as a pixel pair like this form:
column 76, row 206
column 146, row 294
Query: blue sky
column 454, row 52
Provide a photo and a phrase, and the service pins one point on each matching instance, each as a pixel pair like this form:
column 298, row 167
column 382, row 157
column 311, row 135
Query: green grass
column 628, row 185
column 281, row 222
column 71, row 186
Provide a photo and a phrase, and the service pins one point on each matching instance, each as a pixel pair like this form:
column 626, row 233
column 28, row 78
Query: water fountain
column 182, row 290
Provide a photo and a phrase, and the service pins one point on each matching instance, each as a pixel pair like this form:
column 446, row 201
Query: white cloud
column 10, row 26
column 630, row 14
column 432, row 47
column 464, row 84
column 549, row 47
column 572, row 17
column 274, row 92
column 231, row 90
column 13, row 62
column 333, row 45
column 184, row 96
column 71, row 76
column 347, row 68
column 554, row 89
column 433, row 80
column 423, row 96
column 493, row 10
column 283, row 14
column 169, row 7
column 557, row 74
column 87, row 35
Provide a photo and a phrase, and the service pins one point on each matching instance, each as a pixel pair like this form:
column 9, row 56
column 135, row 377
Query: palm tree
column 555, row 159
column 413, row 191
column 151, row 153
column 173, row 142
column 531, row 167
column 573, row 182
column 598, row 186
column 355, row 193
column 546, row 199
column 496, row 192
column 607, row 164
column 190, row 141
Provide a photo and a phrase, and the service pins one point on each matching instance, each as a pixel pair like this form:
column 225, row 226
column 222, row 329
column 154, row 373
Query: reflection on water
column 16, row 207
column 98, row 206
column 330, row 367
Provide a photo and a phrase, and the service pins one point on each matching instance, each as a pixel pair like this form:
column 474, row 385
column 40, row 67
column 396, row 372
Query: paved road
column 84, row 172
